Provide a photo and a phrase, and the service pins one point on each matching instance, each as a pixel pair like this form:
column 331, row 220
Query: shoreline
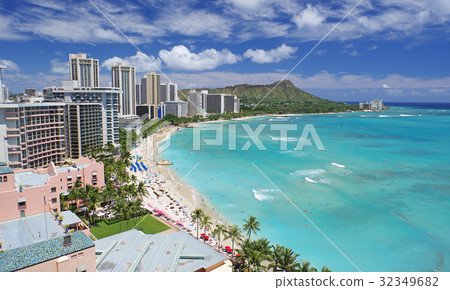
column 177, row 198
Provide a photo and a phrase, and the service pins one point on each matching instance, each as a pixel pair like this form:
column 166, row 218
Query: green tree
column 196, row 216
column 251, row 225
column 234, row 234
column 288, row 261
column 205, row 223
column 218, row 232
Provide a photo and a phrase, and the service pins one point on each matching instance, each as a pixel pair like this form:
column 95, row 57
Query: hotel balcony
column 9, row 135
column 11, row 118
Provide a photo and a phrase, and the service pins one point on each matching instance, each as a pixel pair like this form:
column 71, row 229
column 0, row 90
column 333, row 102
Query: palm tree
column 196, row 216
column 205, row 222
column 141, row 190
column 118, row 208
column 92, row 198
column 288, row 261
column 251, row 225
column 326, row 269
column 218, row 232
column 233, row 233
column 275, row 257
column 305, row 266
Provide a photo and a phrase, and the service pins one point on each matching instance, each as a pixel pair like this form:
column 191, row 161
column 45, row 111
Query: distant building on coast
column 32, row 134
column 374, row 105
column 169, row 92
column 197, row 102
column 85, row 70
column 179, row 109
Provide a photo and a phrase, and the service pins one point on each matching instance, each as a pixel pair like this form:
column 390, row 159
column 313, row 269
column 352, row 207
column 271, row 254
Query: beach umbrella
column 202, row 235
column 206, row 237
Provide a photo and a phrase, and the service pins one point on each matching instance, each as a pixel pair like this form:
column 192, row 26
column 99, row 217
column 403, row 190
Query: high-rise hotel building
column 85, row 70
column 108, row 97
column 151, row 91
column 169, row 92
column 124, row 77
column 31, row 134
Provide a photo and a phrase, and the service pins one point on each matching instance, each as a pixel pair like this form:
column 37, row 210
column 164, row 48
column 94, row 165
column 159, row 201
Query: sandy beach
column 171, row 199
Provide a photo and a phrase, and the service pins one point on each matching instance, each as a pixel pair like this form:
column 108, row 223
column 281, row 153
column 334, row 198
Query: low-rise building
column 32, row 191
column 39, row 244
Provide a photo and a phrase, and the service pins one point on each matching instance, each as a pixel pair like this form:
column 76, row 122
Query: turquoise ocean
column 388, row 209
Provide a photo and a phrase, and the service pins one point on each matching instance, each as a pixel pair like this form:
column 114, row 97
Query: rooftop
column 29, row 230
column 30, row 179
column 71, row 168
column 5, row 170
column 30, row 255
column 134, row 251
column 69, row 218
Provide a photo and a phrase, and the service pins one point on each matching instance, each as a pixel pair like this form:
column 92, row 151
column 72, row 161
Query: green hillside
column 285, row 91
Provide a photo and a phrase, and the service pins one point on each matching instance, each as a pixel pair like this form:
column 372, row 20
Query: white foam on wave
column 310, row 180
column 263, row 194
column 278, row 119
column 385, row 116
column 285, row 139
column 406, row 115
column 324, row 180
column 338, row 165
column 308, row 172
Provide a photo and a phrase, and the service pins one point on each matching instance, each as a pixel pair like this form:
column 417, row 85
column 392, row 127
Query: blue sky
column 394, row 49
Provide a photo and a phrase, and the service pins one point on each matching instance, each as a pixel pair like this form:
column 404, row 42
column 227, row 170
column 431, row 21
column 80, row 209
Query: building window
column 5, row 178
column 73, row 257
column 54, row 200
column 53, row 189
column 80, row 254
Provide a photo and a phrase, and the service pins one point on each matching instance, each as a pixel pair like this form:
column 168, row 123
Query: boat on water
column 164, row 162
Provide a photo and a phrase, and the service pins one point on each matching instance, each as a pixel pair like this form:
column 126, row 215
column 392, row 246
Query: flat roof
column 5, row 170
column 69, row 218
column 139, row 252
column 30, row 255
column 71, row 168
column 30, row 179
column 29, row 230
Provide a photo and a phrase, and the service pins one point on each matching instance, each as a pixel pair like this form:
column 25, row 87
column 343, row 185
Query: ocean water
column 388, row 209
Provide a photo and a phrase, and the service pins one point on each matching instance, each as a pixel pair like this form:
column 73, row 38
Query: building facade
column 179, row 109
column 169, row 92
column 151, row 91
column 33, row 191
column 124, row 77
column 32, row 134
column 83, row 123
column 85, row 70
column 108, row 97
column 197, row 102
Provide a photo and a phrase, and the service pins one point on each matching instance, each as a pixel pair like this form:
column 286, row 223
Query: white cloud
column 309, row 18
column 141, row 61
column 180, row 58
column 195, row 23
column 59, row 67
column 275, row 55
column 385, row 86
column 10, row 65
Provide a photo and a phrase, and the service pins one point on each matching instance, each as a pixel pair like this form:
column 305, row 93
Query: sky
column 344, row 50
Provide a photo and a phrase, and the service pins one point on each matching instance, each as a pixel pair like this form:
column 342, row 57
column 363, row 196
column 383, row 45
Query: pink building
column 33, row 191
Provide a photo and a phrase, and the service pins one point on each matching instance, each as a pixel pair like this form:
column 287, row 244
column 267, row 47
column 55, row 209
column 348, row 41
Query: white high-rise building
column 85, row 70
column 169, row 92
column 124, row 77
column 197, row 102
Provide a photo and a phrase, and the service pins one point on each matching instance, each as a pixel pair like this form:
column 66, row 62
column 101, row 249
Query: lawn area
column 149, row 225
